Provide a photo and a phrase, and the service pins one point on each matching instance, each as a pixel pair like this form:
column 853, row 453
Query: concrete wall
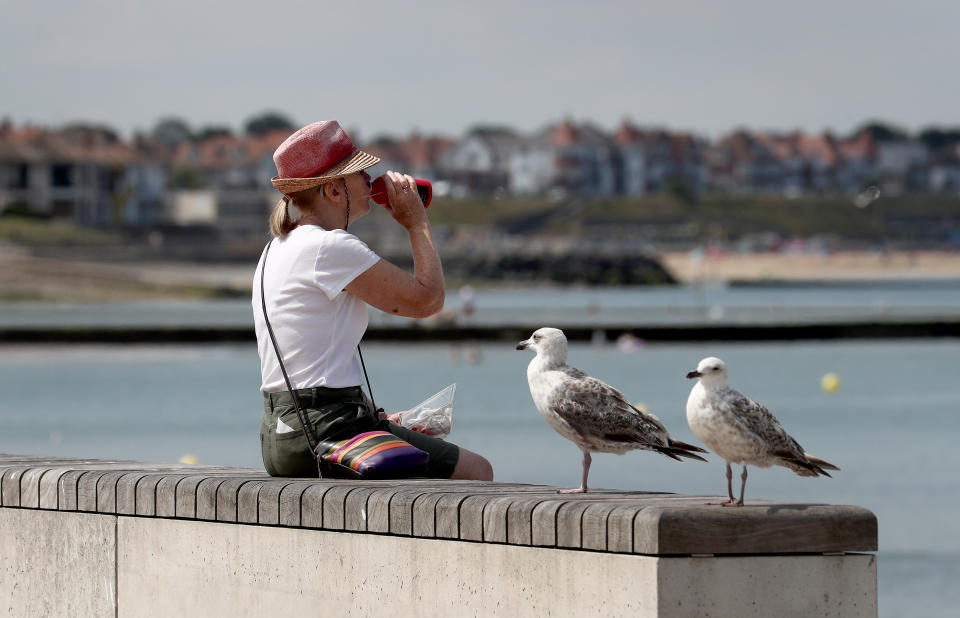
column 57, row 564
column 73, row 564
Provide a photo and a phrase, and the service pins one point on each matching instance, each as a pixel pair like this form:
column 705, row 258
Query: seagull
column 741, row 430
column 594, row 416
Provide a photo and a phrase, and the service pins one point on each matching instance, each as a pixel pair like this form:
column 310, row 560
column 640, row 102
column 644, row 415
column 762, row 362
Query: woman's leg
column 447, row 460
column 471, row 466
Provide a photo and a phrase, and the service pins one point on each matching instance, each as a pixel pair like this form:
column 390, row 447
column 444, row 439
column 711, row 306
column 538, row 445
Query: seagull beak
column 523, row 345
column 694, row 374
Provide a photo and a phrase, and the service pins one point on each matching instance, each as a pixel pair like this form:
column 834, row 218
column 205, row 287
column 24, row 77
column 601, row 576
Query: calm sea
column 892, row 425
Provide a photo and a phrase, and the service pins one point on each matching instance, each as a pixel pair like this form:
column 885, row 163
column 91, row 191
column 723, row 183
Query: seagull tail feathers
column 677, row 449
column 821, row 463
column 808, row 466
column 687, row 447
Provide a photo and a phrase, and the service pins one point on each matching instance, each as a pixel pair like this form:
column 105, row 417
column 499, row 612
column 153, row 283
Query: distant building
column 565, row 159
column 235, row 172
column 86, row 176
column 479, row 164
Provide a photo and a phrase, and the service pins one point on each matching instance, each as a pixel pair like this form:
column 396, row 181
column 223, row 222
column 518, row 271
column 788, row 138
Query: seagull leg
column 583, row 484
column 743, row 485
column 732, row 501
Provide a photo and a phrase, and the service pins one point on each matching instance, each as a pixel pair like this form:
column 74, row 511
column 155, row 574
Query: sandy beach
column 840, row 266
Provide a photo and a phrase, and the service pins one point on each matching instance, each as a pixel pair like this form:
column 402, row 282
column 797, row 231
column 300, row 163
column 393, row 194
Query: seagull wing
column 601, row 414
column 755, row 420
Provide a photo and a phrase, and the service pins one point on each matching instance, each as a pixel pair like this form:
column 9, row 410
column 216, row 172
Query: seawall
column 106, row 538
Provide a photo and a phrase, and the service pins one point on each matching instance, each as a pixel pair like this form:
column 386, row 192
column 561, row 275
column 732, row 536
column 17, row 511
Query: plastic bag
column 433, row 416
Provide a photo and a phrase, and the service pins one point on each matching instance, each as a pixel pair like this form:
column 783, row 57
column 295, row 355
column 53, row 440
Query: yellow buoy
column 189, row 459
column 830, row 383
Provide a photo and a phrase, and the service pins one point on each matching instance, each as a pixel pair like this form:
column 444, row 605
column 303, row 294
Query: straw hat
column 315, row 154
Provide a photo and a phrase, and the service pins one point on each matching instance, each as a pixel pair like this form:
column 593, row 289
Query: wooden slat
column 50, row 487
column 186, row 495
column 87, row 490
column 333, row 501
column 520, row 517
column 568, row 520
column 67, row 489
column 446, row 515
column 471, row 517
column 495, row 518
column 290, row 503
column 759, row 528
column 147, row 493
column 378, row 509
column 30, row 487
column 620, row 527
column 227, row 498
column 10, row 485
column 401, row 508
column 127, row 492
column 206, row 497
column 355, row 508
column 248, row 502
column 268, row 501
column 544, row 522
column 311, row 505
column 425, row 514
column 166, row 496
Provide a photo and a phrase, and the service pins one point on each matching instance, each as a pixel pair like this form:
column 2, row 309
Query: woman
column 318, row 282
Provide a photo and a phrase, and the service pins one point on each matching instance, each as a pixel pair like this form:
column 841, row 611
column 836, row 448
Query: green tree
column 268, row 121
column 936, row 138
column 882, row 132
column 186, row 177
column 211, row 131
column 171, row 131
column 488, row 130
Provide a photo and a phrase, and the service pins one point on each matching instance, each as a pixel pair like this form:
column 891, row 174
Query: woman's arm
column 390, row 288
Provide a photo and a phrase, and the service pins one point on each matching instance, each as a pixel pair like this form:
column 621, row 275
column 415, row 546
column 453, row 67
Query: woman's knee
column 471, row 466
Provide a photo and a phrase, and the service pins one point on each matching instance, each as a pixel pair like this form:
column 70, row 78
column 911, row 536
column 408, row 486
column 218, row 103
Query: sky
column 443, row 66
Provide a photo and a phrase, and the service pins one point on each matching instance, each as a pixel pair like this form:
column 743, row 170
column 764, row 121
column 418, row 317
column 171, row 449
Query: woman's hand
column 390, row 288
column 404, row 205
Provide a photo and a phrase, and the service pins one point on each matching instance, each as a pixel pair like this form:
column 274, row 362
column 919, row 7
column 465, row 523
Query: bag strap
column 304, row 425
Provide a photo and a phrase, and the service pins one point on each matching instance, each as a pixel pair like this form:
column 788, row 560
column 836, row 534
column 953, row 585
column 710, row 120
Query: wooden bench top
column 603, row 520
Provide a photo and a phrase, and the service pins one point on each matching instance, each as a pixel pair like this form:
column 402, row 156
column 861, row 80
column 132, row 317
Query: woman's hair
column 280, row 222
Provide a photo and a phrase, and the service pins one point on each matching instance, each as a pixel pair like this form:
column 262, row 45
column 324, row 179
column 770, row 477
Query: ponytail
column 280, row 222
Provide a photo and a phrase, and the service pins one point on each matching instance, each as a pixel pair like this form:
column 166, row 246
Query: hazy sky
column 444, row 65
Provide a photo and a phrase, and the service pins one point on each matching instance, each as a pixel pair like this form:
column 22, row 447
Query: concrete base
column 57, row 564
column 198, row 568
column 72, row 564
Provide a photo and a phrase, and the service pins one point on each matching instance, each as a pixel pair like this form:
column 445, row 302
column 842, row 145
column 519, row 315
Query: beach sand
column 840, row 266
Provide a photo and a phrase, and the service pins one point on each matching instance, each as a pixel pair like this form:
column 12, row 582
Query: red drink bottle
column 378, row 192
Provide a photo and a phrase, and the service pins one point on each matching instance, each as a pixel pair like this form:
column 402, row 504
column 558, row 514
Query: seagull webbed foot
column 730, row 502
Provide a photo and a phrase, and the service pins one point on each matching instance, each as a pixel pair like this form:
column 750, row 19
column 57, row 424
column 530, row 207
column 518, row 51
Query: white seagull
column 741, row 430
column 595, row 416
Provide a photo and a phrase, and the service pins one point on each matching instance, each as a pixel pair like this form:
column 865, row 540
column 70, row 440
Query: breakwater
column 892, row 329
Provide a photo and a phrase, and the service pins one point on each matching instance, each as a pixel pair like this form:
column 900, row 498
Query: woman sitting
column 317, row 284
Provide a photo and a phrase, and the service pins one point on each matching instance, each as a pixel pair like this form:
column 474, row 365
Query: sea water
column 892, row 425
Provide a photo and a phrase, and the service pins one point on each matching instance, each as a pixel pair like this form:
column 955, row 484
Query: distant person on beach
column 318, row 282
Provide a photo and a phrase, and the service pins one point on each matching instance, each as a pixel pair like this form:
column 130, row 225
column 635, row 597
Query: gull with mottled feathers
column 742, row 431
column 593, row 415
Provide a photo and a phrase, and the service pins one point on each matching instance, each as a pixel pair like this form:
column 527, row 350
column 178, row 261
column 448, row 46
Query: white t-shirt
column 317, row 324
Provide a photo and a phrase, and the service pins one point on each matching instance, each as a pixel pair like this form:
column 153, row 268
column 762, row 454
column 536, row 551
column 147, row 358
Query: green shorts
column 334, row 413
